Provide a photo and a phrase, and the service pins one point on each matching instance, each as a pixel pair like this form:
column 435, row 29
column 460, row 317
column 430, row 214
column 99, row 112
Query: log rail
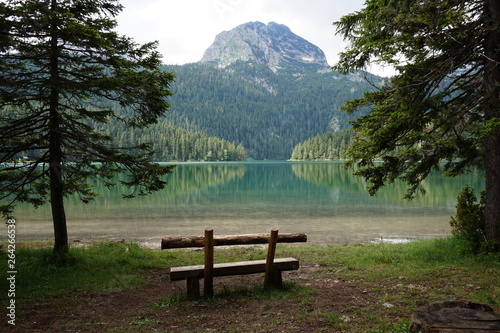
column 199, row 241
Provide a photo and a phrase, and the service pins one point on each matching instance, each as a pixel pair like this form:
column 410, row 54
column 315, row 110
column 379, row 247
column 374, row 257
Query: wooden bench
column 270, row 266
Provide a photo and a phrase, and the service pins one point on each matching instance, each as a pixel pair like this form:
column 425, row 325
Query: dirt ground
column 325, row 303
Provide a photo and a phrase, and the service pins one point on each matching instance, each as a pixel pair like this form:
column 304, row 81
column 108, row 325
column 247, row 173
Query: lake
column 320, row 199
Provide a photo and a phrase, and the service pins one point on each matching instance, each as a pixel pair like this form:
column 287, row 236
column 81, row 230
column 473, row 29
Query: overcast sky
column 186, row 28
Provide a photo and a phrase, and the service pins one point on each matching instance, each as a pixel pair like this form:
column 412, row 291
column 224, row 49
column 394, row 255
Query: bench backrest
column 199, row 241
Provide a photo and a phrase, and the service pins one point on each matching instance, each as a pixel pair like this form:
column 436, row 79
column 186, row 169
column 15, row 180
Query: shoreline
column 156, row 243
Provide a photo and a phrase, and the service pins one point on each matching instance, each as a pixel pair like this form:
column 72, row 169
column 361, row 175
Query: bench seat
column 233, row 268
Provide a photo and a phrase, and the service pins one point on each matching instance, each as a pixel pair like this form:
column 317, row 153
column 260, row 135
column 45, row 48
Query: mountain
column 273, row 45
column 265, row 88
column 268, row 113
column 260, row 87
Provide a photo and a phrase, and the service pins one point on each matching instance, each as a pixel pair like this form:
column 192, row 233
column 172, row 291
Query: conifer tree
column 61, row 62
column 444, row 101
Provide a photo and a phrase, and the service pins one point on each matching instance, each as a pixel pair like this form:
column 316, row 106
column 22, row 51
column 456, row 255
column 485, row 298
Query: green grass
column 102, row 268
column 414, row 258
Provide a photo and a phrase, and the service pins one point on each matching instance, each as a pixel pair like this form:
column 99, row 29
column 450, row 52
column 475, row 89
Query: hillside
column 326, row 147
column 266, row 112
column 263, row 87
column 171, row 143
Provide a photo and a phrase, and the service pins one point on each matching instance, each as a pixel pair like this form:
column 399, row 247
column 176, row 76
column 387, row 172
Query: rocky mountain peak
column 274, row 45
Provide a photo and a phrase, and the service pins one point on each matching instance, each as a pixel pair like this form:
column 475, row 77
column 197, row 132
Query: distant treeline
column 175, row 144
column 326, row 147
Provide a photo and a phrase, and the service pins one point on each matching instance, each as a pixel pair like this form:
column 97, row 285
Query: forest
column 327, row 147
column 267, row 113
column 175, row 144
column 246, row 111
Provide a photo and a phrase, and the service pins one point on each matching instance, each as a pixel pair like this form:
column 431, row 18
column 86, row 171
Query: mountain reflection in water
column 321, row 199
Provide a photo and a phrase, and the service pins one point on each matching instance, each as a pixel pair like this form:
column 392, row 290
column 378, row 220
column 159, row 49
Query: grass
column 399, row 275
column 102, row 268
column 439, row 257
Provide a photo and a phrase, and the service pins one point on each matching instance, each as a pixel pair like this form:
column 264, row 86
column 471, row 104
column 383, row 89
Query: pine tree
column 444, row 101
column 60, row 61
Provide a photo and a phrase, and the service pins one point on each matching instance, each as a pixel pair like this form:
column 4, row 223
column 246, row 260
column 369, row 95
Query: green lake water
column 320, row 199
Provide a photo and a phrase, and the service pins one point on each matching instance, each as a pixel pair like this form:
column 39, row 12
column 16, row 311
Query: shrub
column 468, row 223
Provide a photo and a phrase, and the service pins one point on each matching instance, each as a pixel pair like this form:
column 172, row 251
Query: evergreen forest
column 247, row 111
column 266, row 112
column 327, row 147
column 175, row 144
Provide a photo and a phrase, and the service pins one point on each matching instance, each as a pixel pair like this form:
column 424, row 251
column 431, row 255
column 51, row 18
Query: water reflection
column 440, row 191
column 321, row 199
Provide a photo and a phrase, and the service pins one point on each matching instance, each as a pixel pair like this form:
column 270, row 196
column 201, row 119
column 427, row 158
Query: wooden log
column 208, row 276
column 199, row 241
column 271, row 250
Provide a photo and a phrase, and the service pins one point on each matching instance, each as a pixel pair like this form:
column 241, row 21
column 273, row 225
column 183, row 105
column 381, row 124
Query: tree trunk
column 57, row 204
column 55, row 148
column 57, row 184
column 491, row 112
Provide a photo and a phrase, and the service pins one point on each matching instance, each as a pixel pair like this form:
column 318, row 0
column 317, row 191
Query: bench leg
column 193, row 287
column 276, row 280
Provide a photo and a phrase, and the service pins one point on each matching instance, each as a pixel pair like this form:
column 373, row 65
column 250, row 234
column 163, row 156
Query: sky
column 186, row 28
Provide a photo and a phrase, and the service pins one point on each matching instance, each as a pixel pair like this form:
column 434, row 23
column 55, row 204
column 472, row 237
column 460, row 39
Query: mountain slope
column 174, row 144
column 267, row 113
column 273, row 45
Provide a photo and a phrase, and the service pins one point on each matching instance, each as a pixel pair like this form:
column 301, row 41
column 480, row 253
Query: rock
column 273, row 45
column 457, row 317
